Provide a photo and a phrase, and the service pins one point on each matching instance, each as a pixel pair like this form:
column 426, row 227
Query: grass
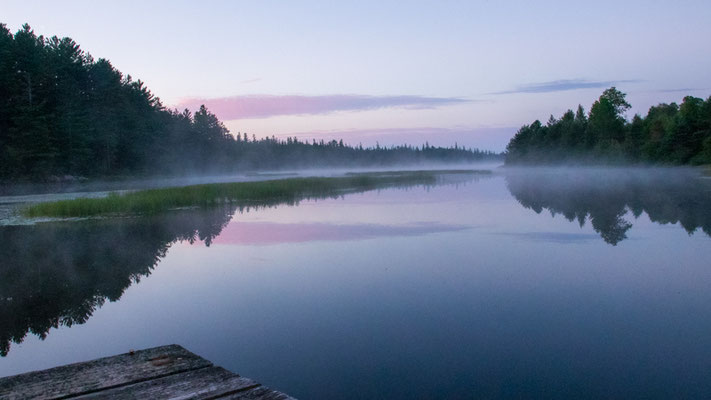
column 154, row 201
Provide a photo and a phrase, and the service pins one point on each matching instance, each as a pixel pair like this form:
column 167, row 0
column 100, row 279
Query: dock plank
column 101, row 374
column 200, row 384
column 259, row 393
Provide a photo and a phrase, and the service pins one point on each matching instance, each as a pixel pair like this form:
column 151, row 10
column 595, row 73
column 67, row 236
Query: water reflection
column 268, row 233
column 604, row 197
column 57, row 274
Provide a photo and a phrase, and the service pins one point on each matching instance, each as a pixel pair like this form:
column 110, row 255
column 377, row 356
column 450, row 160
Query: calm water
column 548, row 284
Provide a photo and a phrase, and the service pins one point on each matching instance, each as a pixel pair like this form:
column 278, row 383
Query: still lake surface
column 588, row 283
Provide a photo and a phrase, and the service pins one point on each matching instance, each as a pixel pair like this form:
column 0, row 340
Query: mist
column 364, row 201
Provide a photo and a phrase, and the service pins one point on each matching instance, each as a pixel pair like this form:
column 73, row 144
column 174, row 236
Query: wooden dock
column 167, row 372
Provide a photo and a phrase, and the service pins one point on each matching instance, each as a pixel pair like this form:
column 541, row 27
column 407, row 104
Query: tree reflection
column 606, row 196
column 57, row 274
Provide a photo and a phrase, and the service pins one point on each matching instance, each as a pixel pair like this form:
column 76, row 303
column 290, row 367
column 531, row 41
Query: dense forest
column 62, row 113
column 670, row 134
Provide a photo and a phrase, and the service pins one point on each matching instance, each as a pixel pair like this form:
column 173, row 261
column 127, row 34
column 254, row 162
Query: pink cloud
column 265, row 106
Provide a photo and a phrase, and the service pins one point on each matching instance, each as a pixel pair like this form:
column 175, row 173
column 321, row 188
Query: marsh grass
column 289, row 190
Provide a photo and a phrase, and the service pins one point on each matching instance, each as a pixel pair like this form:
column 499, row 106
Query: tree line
column 669, row 134
column 62, row 113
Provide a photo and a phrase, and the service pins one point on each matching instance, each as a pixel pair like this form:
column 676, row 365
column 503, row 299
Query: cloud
column 681, row 90
column 563, row 85
column 265, row 106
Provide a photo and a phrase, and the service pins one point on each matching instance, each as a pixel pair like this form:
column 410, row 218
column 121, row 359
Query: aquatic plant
column 289, row 190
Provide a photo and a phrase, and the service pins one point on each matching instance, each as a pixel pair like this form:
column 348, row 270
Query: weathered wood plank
column 259, row 393
column 204, row 383
column 104, row 373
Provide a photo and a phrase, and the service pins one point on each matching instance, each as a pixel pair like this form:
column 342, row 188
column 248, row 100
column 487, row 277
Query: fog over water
column 536, row 283
column 15, row 196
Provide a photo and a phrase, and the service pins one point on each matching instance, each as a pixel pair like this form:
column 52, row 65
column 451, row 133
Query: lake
column 541, row 283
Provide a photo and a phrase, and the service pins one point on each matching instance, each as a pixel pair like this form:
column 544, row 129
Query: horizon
column 387, row 73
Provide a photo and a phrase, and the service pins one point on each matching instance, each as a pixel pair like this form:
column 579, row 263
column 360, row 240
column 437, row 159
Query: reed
column 153, row 201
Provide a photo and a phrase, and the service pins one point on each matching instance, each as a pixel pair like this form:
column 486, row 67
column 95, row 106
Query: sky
column 387, row 72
